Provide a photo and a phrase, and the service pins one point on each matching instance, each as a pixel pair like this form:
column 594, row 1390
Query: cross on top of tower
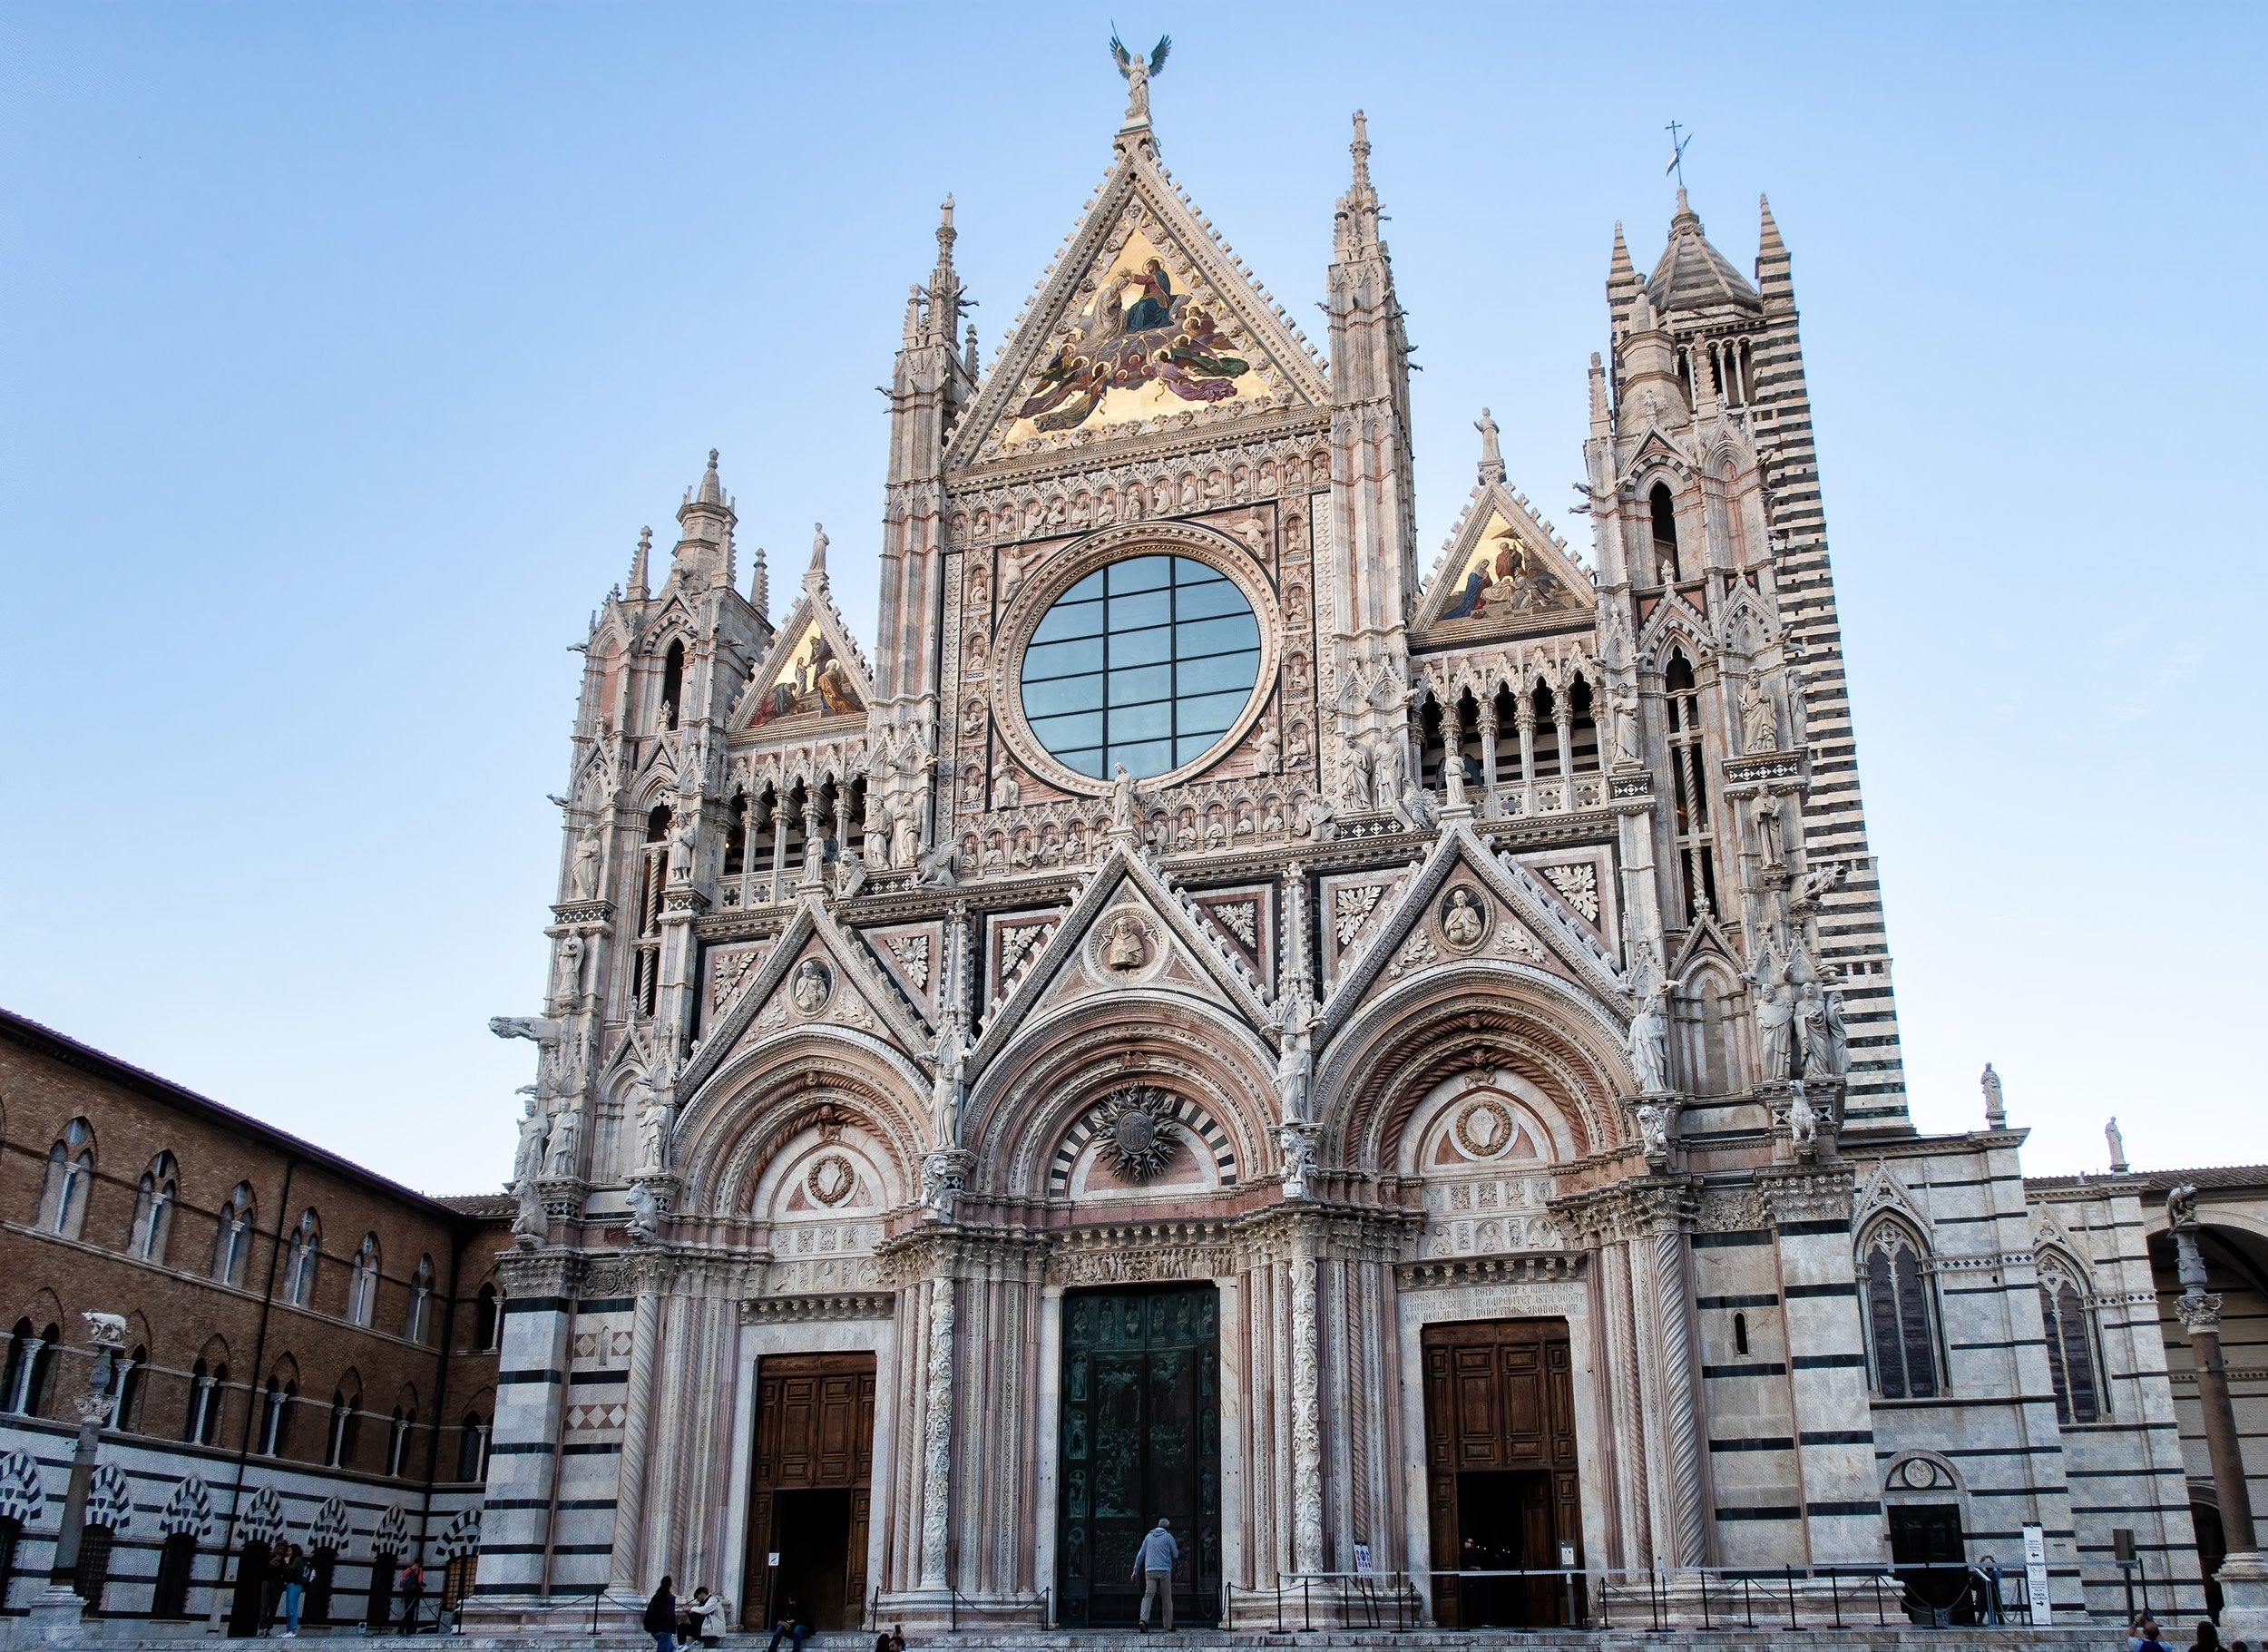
column 1677, row 154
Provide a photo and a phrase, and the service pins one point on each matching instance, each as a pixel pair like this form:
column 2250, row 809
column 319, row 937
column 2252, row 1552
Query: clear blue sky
column 348, row 347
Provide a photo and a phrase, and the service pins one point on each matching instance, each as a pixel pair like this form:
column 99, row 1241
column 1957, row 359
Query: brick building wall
column 378, row 1350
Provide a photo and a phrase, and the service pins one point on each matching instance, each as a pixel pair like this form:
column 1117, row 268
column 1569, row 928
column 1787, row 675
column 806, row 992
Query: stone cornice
column 777, row 1310
column 1552, row 1267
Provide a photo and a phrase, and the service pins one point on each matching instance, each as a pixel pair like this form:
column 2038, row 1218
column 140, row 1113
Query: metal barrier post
column 1568, row 1578
column 1834, row 1592
column 1790, row 1596
column 1879, row 1619
column 1747, row 1602
column 1653, row 1592
column 1306, row 1604
column 1606, row 1592
column 1705, row 1596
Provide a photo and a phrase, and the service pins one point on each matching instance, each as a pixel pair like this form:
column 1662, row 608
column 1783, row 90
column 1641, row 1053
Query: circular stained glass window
column 1147, row 662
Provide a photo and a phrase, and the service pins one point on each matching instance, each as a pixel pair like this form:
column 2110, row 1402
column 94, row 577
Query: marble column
column 1306, row 1420
column 623, row 1570
column 937, row 1441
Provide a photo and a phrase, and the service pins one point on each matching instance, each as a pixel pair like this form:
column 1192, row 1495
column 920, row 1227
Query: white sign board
column 1362, row 1559
column 2035, row 1575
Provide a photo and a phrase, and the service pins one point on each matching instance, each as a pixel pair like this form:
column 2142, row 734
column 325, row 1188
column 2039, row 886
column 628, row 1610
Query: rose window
column 1149, row 662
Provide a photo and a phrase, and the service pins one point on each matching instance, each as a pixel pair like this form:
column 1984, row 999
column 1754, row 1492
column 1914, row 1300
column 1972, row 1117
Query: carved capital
column 1806, row 1194
column 2199, row 1311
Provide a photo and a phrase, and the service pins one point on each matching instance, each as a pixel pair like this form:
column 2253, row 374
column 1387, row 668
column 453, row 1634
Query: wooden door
column 1502, row 1474
column 815, row 1431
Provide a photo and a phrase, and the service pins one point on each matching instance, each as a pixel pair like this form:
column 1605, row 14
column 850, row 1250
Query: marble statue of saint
column 1759, row 724
column 559, row 1146
column 2118, row 1146
column 1006, row 793
column 1125, row 805
column 1826, row 1038
column 1648, row 1039
column 1996, row 1105
column 653, row 1124
column 585, row 882
column 567, row 975
column 1462, row 925
column 1775, row 1015
column 1268, row 756
column 878, row 819
column 1356, row 786
column 1622, row 703
column 527, row 1159
column 681, row 825
column 1122, row 947
column 810, row 986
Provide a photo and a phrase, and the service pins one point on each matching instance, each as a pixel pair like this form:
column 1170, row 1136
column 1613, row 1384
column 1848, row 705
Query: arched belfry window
column 300, row 1261
column 232, row 1239
column 362, row 1287
column 672, row 686
column 2071, row 1363
column 1663, row 510
column 1901, row 1330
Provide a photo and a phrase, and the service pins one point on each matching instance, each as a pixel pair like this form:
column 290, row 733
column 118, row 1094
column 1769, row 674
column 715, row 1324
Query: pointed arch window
column 2071, row 1363
column 673, row 685
column 275, row 1420
column 487, row 1319
column 62, row 1197
column 1662, row 514
column 420, row 1314
column 1901, row 1329
column 1688, row 764
column 201, row 1423
column 232, row 1240
column 300, row 1261
column 340, row 1440
column 472, row 1454
column 154, row 1198
column 133, row 1374
column 30, row 1370
column 362, row 1286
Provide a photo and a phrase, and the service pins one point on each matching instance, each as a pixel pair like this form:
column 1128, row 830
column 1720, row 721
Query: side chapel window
column 70, row 1178
column 2071, row 1343
column 1901, row 1337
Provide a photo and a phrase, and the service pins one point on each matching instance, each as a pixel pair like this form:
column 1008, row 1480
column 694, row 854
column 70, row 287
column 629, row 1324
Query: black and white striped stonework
column 1195, row 1122
column 1851, row 927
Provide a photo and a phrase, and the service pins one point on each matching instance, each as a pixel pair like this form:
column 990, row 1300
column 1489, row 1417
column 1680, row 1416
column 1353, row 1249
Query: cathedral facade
column 1391, row 1067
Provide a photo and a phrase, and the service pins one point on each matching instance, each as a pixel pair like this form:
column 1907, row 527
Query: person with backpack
column 790, row 1627
column 662, row 1616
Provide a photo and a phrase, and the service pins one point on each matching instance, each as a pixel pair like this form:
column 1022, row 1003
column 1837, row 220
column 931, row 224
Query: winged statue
column 1138, row 70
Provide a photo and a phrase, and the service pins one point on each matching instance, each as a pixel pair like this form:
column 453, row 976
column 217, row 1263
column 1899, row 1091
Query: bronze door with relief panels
column 1140, row 1439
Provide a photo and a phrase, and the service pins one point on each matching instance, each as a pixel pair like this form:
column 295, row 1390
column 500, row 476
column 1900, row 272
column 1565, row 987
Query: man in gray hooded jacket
column 1153, row 1565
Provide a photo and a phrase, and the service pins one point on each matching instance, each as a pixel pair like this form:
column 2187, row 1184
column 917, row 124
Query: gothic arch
column 757, row 1104
column 1401, row 1045
column 1029, row 1096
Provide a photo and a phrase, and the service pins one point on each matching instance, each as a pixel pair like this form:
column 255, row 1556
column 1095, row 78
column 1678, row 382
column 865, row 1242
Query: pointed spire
column 1491, row 456
column 1693, row 276
column 712, row 488
column 760, row 587
column 637, row 590
column 969, row 356
column 1774, row 279
column 1357, row 226
column 1618, row 267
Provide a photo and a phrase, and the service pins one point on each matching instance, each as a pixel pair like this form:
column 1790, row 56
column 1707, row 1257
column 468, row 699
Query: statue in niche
column 1759, row 724
column 1006, row 793
column 1267, row 756
column 1622, row 706
column 1648, row 1039
column 1775, row 1015
column 585, row 877
column 527, row 1159
column 560, row 1145
column 1826, row 1039
column 1355, row 788
column 1125, row 803
column 567, row 973
column 682, row 821
column 1463, row 924
column 811, row 986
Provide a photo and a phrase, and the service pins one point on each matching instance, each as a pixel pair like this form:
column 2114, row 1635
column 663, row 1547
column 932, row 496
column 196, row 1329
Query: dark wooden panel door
column 1503, row 1480
column 815, row 1431
column 1139, row 1439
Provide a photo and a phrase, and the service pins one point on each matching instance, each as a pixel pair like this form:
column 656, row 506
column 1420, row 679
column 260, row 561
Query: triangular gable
column 1504, row 573
column 811, row 672
column 1883, row 1191
column 1507, row 917
column 913, row 956
column 856, row 995
column 1145, row 316
column 1128, row 927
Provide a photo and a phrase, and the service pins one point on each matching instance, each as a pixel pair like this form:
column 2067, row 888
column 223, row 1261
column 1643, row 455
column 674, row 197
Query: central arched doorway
column 1140, row 1439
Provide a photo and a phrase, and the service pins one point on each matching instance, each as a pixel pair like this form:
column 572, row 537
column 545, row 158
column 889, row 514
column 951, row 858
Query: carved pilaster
column 937, row 1439
column 1306, row 1422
